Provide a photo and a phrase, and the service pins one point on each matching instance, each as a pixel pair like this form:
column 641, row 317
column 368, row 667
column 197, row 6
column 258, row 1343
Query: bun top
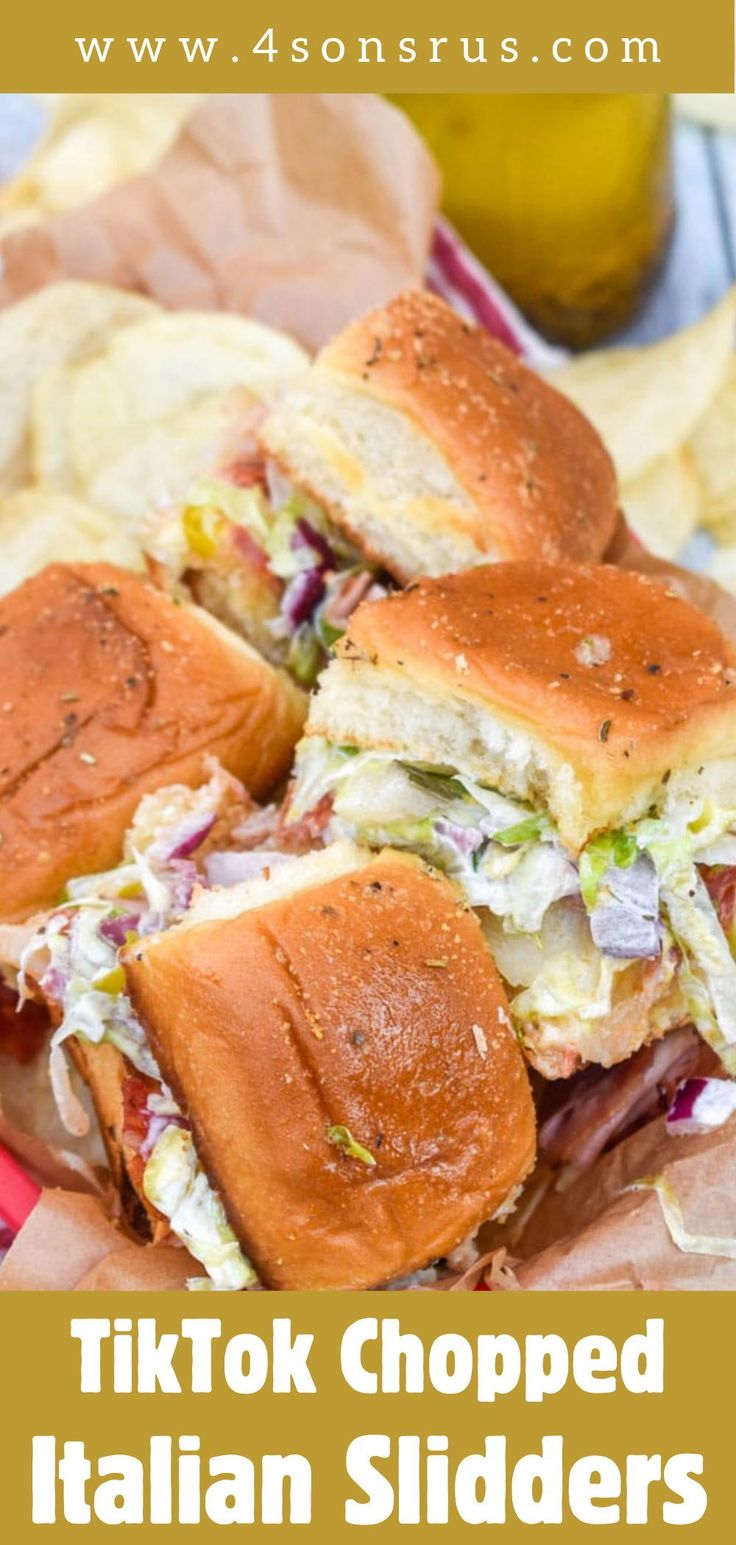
column 109, row 690
column 538, row 473
column 607, row 670
column 347, row 1062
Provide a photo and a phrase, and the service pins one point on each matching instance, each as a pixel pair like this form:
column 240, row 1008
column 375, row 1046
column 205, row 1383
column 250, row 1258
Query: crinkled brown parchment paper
column 299, row 210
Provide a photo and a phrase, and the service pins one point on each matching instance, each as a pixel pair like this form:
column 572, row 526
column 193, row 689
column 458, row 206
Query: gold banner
column 418, row 45
column 277, row 1410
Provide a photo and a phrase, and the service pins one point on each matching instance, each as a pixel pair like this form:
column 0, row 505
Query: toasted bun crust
column 434, row 447
column 110, row 690
column 369, row 1002
column 574, row 685
column 105, row 1070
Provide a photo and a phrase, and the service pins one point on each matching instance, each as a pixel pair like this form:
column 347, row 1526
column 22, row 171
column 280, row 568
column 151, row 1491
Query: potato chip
column 663, row 505
column 713, row 447
column 646, row 402
column 90, row 143
column 163, row 366
column 63, row 322
column 50, row 445
column 39, row 527
column 158, row 467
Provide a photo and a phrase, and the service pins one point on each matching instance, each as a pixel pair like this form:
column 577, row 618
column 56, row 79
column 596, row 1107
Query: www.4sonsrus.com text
column 353, row 49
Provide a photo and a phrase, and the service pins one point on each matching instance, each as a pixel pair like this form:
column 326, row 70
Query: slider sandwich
column 415, row 444
column 560, row 739
column 308, row 1078
column 110, row 690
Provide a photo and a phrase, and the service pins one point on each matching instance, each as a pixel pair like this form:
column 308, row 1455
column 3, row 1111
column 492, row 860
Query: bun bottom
column 117, row 1090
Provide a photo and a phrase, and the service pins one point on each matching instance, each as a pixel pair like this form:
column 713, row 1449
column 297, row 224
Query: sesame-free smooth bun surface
column 369, row 1004
column 604, row 672
column 109, row 690
column 541, row 481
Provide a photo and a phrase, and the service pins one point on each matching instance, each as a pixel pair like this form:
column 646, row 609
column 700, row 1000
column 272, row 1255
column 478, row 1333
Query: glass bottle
column 567, row 199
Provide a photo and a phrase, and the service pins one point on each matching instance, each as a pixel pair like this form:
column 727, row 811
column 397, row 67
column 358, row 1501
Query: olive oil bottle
column 567, row 199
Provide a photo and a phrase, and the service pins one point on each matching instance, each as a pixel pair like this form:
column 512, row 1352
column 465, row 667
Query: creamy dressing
column 74, row 959
column 632, row 895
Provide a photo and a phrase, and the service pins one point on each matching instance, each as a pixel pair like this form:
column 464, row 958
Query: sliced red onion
column 115, row 929
column 158, row 1125
column 700, row 1105
column 467, row 839
column 54, row 983
column 184, row 880
column 625, row 921
column 301, row 595
column 230, row 868
column 194, row 834
column 306, row 535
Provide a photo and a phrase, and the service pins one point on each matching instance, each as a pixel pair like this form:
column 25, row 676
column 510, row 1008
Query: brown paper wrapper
column 304, row 211
column 30, row 1128
column 69, row 1243
column 592, row 1232
column 299, row 210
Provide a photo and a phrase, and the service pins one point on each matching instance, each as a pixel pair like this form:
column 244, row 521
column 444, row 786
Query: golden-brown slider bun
column 434, row 447
column 108, row 1075
column 575, row 687
column 361, row 1007
column 108, row 689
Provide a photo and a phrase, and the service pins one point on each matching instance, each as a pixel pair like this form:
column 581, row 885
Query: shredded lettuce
column 529, row 830
column 640, row 885
column 694, row 923
column 502, row 856
column 683, row 1237
column 74, row 955
column 212, row 504
column 614, row 847
column 175, row 1183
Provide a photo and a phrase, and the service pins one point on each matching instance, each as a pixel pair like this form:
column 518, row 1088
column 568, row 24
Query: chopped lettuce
column 640, row 885
column 212, row 504
column 685, row 1239
column 694, row 923
column 74, row 955
column 529, row 830
column 379, row 800
column 569, row 985
column 175, row 1183
column 614, row 847
column 523, row 894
